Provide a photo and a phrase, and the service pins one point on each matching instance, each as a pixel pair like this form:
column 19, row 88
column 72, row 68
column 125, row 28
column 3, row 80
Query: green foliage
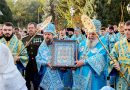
column 7, row 14
column 80, row 7
column 108, row 11
column 112, row 11
column 24, row 11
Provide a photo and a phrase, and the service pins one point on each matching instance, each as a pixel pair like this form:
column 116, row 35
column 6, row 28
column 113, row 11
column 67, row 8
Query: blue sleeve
column 40, row 58
column 97, row 61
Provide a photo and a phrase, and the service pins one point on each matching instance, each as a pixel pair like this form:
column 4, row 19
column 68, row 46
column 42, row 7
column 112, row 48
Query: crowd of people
column 103, row 55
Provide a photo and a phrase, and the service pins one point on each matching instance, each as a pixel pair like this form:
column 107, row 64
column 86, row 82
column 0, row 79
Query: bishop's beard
column 91, row 43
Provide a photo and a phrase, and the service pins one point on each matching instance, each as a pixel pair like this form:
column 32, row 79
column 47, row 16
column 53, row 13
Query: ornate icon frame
column 64, row 53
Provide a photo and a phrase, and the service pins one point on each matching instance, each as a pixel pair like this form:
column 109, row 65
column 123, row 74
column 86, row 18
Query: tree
column 108, row 11
column 23, row 15
column 112, row 11
column 80, row 7
column 7, row 14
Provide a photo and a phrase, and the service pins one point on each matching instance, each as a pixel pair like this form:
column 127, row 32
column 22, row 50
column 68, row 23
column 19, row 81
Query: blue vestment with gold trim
column 90, row 76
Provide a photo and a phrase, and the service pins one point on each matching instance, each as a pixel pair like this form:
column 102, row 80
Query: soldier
column 15, row 45
column 31, row 69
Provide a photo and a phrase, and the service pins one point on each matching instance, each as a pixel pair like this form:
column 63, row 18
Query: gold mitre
column 87, row 23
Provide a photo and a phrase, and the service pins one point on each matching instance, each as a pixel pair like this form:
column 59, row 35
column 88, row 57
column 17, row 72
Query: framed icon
column 64, row 53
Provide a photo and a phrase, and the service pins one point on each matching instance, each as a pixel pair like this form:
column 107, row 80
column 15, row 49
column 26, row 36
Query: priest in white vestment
column 10, row 77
